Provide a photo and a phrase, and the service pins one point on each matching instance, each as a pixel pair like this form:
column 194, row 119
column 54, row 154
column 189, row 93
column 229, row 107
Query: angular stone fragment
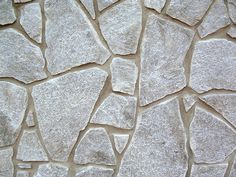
column 120, row 142
column 13, row 103
column 89, row 5
column 94, row 172
column 70, row 37
column 233, row 170
column 31, row 21
column 124, row 74
column 19, row 58
column 30, row 147
column 24, row 165
column 163, row 50
column 211, row 140
column 63, row 108
column 189, row 100
column 52, row 170
column 121, row 27
column 6, row 165
column 7, row 14
column 22, row 1
column 188, row 11
column 232, row 32
column 155, row 4
column 30, row 119
column 22, row 174
column 116, row 110
column 232, row 10
column 213, row 65
column 209, row 170
column 102, row 4
column 157, row 147
column 95, row 148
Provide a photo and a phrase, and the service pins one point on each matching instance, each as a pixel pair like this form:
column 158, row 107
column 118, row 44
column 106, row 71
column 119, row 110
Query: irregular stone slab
column 70, row 37
column 232, row 10
column 94, row 172
column 6, row 165
column 216, row 19
column 155, row 4
column 30, row 119
column 102, row 4
column 30, row 147
column 209, row 170
column 233, row 170
column 157, row 147
column 22, row 1
column 189, row 100
column 124, row 74
column 213, row 65
column 121, row 27
column 188, row 11
column 116, row 110
column 89, row 5
column 19, row 58
column 95, row 148
column 24, row 165
column 232, row 32
column 120, row 142
column 13, row 103
column 63, row 108
column 7, row 14
column 31, row 21
column 211, row 140
column 22, row 174
column 52, row 170
column 163, row 49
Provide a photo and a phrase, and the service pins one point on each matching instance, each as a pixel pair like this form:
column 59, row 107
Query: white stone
column 31, row 21
column 30, row 119
column 30, row 147
column 188, row 11
column 22, row 174
column 233, row 170
column 6, row 165
column 211, row 140
column 24, row 165
column 22, row 1
column 7, row 14
column 13, row 103
column 95, row 148
column 158, row 146
column 163, row 49
column 155, row 4
column 232, row 10
column 102, row 4
column 189, row 100
column 52, row 170
column 232, row 32
column 19, row 58
column 213, row 65
column 89, row 5
column 94, row 172
column 124, row 74
column 116, row 110
column 70, row 37
column 209, row 170
column 63, row 108
column 120, row 141
column 121, row 26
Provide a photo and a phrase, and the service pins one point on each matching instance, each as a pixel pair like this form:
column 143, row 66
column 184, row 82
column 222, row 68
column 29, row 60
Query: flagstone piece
column 155, row 4
column 209, row 170
column 120, row 141
column 6, row 164
column 7, row 14
column 94, row 172
column 52, row 170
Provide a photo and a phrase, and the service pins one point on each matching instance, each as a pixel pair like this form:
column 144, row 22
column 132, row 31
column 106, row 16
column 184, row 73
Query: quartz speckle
column 7, row 14
column 52, row 170
column 155, row 4
column 6, row 165
column 120, row 142
column 94, row 172
column 209, row 170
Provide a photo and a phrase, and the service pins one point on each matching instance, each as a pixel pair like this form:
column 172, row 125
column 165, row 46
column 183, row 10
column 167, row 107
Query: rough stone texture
column 95, row 148
column 19, row 58
column 70, row 37
column 31, row 21
column 30, row 119
column 52, row 170
column 124, row 75
column 163, row 50
column 157, row 147
column 188, row 11
column 120, row 142
column 63, row 107
column 13, row 103
column 30, row 147
column 6, row 165
column 189, row 100
column 102, row 4
column 232, row 10
column 94, row 172
column 24, row 165
column 155, row 4
column 116, row 110
column 89, row 5
column 7, row 14
column 22, row 174
column 233, row 169
column 22, row 1
column 232, row 32
column 213, row 65
column 121, row 27
column 211, row 140
column 209, row 170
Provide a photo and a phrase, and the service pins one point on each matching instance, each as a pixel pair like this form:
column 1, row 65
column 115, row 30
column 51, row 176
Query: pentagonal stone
column 120, row 142
column 94, row 172
column 6, row 165
column 155, row 4
column 52, row 170
column 7, row 14
column 102, row 4
column 232, row 10
column 218, row 170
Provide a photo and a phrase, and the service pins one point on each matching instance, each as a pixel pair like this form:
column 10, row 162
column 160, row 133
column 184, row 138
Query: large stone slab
column 155, row 4
column 232, row 10
column 70, row 37
column 89, row 5
column 102, row 4
column 63, row 108
column 6, row 165
column 217, row 170
column 157, row 147
column 7, row 14
column 163, row 50
column 52, row 170
column 94, row 172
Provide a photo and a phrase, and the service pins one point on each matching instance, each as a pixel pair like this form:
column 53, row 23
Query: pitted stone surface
column 189, row 100
column 232, row 10
column 120, row 142
column 155, row 4
column 52, row 170
column 94, row 172
column 209, row 170
column 22, row 174
column 89, row 5
column 102, row 4
column 233, row 170
column 63, row 108
column 232, row 32
column 7, row 14
column 6, row 165
column 30, row 119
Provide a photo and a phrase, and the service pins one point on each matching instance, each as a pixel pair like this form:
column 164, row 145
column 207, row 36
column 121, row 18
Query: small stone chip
column 52, row 170
column 217, row 170
column 22, row 1
column 120, row 141
column 30, row 119
column 94, row 172
column 6, row 165
column 102, row 4
column 7, row 14
column 189, row 100
column 232, row 32
column 155, row 4
column 89, row 5
column 24, row 165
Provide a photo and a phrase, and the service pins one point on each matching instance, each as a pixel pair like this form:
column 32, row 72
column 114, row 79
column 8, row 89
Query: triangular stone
column 88, row 4
column 120, row 142
column 189, row 100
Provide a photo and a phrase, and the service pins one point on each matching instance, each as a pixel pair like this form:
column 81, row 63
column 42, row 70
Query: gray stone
column 63, row 108
column 70, row 37
column 120, row 142
column 163, row 49
column 22, row 1
column 189, row 100
column 13, row 103
column 31, row 21
column 121, row 26
column 211, row 140
column 22, row 174
column 233, row 170
column 52, row 170
column 116, row 110
column 232, row 32
column 24, row 165
column 94, row 172
column 213, row 65
column 158, row 146
column 7, row 14
column 89, row 5
column 232, row 10
column 6, row 165
column 155, row 4
column 124, row 75
column 30, row 147
column 30, row 119
column 95, row 148
column 217, row 170
column 102, row 4
column 19, row 58
column 188, row 11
